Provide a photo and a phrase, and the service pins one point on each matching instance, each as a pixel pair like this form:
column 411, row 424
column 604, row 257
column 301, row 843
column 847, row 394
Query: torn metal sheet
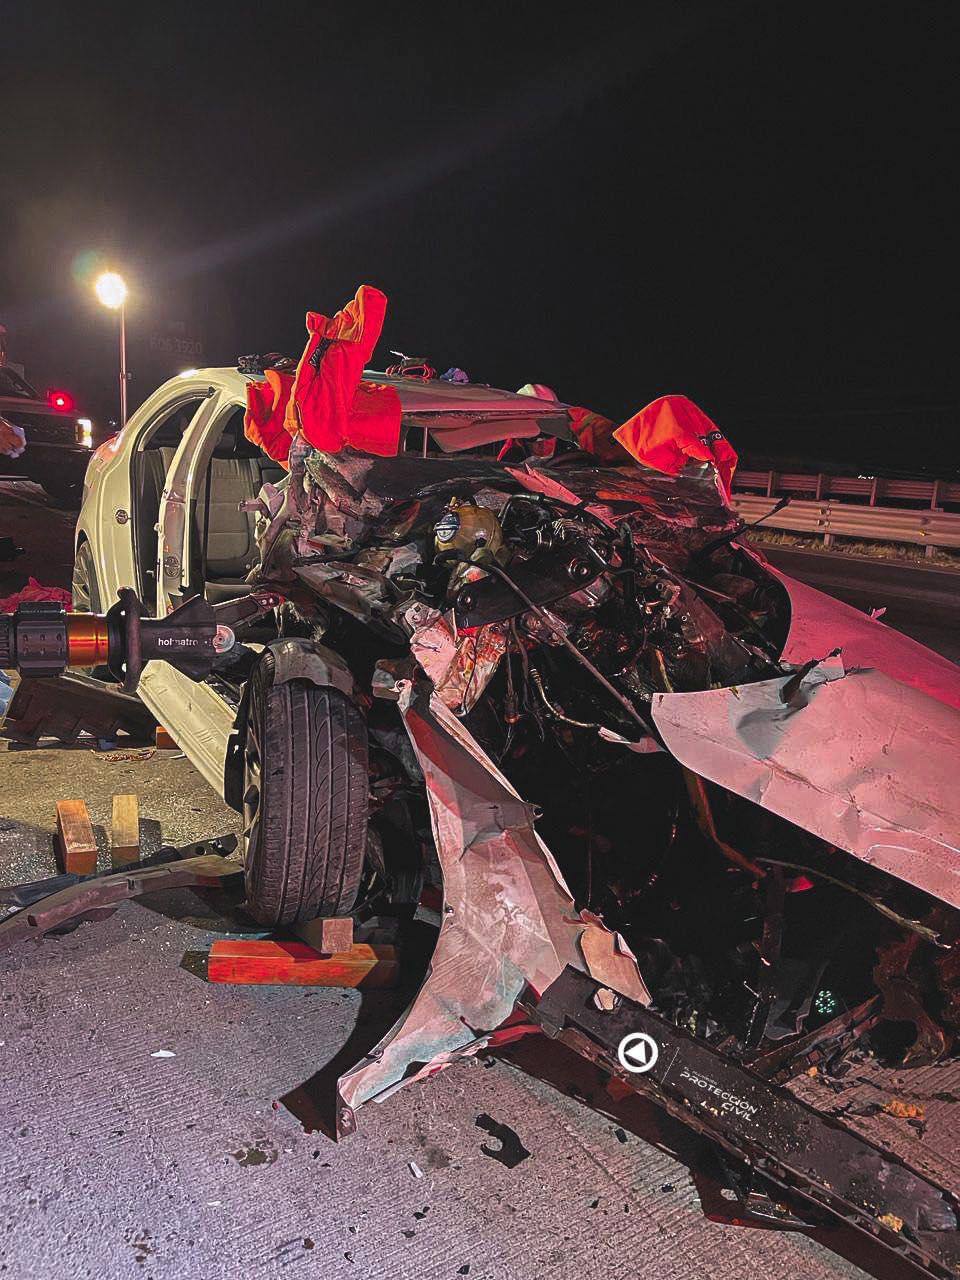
column 100, row 893
column 609, row 959
column 819, row 623
column 508, row 919
column 460, row 666
column 859, row 759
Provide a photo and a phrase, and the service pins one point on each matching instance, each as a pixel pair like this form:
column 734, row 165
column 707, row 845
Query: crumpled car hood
column 863, row 756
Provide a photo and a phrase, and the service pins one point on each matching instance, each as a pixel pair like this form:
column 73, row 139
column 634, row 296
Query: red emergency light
column 61, row 400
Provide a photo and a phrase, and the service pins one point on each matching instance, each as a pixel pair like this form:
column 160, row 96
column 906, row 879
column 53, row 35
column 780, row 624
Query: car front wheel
column 305, row 799
column 84, row 589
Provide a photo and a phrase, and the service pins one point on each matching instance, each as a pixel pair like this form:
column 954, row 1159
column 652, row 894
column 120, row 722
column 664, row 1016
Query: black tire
column 305, row 799
column 84, row 589
column 87, row 599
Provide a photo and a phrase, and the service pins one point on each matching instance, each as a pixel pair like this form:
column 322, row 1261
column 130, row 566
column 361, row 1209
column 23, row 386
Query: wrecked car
column 667, row 794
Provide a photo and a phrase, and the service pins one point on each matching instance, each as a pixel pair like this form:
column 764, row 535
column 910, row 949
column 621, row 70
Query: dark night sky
column 751, row 203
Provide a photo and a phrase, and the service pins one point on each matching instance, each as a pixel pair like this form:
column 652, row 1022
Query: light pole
column 111, row 290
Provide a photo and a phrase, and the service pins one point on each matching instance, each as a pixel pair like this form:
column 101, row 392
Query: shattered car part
column 664, row 614
column 508, row 919
column 792, row 1145
column 511, row 1151
column 67, row 705
column 48, row 905
column 895, row 803
column 565, row 812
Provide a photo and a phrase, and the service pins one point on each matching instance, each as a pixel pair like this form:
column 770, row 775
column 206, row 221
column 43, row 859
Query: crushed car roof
column 417, row 395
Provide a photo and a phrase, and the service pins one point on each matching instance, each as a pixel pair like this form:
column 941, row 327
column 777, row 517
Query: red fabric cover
column 670, row 432
column 594, row 433
column 329, row 404
column 35, row 590
column 263, row 422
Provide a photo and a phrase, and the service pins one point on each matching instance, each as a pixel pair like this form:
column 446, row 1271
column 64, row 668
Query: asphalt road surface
column 117, row 1162
column 920, row 601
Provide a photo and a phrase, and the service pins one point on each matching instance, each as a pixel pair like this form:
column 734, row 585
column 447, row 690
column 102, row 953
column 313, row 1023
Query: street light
column 111, row 290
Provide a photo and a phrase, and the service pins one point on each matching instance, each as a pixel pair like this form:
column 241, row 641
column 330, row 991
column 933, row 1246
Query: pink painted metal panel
column 858, row 758
column 819, row 624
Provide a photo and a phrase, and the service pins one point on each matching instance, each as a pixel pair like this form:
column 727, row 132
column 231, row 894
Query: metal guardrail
column 930, row 529
column 774, row 484
column 926, row 525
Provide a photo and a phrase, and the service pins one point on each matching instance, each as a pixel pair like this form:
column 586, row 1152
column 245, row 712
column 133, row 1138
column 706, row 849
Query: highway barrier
column 850, row 507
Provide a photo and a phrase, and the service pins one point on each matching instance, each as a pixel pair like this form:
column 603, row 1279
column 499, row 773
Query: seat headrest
column 233, row 443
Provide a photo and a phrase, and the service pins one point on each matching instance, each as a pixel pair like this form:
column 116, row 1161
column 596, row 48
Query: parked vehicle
column 58, row 443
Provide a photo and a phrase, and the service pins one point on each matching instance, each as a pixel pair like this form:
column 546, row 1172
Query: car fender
column 294, row 658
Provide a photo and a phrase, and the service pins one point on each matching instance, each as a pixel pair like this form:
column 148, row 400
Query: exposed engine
column 549, row 606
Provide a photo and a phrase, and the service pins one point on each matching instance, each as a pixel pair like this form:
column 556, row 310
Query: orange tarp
column 330, row 404
column 672, row 431
column 327, row 400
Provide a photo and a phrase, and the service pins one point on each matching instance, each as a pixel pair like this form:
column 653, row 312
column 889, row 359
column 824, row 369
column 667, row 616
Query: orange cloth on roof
column 670, row 432
column 594, row 433
column 329, row 402
column 263, row 423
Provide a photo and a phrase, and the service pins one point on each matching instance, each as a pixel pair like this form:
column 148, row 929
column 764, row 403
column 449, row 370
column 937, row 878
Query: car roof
column 417, row 396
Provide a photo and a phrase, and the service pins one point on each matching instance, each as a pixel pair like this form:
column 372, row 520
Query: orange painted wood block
column 76, row 845
column 260, row 961
column 163, row 739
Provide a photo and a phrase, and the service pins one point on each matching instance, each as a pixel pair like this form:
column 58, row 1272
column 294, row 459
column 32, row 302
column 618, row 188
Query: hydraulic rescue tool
column 42, row 639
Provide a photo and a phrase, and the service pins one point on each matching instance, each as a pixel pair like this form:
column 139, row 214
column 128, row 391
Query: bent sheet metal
column 508, row 920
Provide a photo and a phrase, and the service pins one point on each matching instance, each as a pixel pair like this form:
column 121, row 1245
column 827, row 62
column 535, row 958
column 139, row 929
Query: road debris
column 52, row 904
column 904, row 1110
column 511, row 1150
column 140, row 756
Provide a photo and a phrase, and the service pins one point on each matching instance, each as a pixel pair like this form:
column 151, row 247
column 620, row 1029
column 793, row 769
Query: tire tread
column 314, row 798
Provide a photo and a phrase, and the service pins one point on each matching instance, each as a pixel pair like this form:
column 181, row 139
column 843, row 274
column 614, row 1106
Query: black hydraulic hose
column 554, row 710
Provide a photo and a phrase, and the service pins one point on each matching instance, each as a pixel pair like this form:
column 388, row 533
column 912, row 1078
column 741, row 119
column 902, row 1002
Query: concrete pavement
column 118, row 1163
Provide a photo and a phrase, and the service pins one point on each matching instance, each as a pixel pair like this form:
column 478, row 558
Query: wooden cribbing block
column 296, row 964
column 329, row 934
column 125, row 831
column 163, row 740
column 76, row 846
